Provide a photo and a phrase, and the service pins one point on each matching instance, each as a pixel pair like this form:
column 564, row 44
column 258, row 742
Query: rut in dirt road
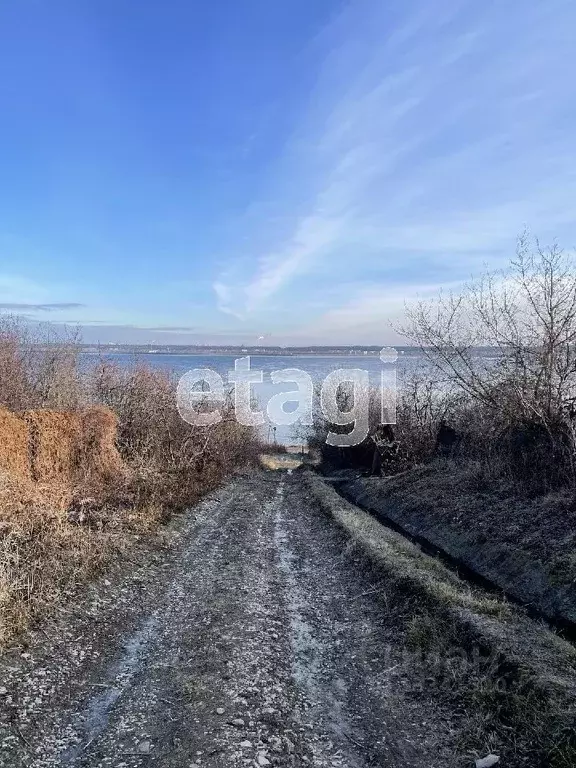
column 256, row 641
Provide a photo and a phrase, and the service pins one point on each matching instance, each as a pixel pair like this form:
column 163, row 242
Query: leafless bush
column 518, row 403
column 424, row 402
column 409, row 437
column 47, row 548
column 38, row 368
column 379, row 451
column 173, row 462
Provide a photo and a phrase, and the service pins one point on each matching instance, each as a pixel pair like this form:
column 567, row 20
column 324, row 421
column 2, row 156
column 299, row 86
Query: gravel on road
column 255, row 639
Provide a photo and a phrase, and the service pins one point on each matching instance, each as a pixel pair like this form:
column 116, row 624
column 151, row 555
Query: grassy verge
column 511, row 681
column 524, row 546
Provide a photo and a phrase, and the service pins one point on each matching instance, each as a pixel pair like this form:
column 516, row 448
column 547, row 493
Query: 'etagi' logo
column 346, row 398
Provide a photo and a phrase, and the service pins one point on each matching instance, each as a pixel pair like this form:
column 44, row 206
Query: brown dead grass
column 44, row 558
column 48, row 460
column 87, row 461
column 99, row 455
column 16, row 494
column 54, row 439
column 14, row 445
column 53, row 458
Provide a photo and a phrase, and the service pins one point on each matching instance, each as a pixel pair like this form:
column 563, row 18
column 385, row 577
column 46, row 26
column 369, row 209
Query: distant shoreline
column 360, row 352
column 180, row 351
column 237, row 353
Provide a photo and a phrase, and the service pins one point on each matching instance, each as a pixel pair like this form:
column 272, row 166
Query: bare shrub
column 380, row 450
column 88, row 457
column 173, row 463
column 518, row 401
column 424, row 402
column 405, row 438
column 16, row 385
column 38, row 368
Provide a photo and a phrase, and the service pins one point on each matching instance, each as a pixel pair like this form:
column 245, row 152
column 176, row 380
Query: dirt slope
column 254, row 640
column 523, row 546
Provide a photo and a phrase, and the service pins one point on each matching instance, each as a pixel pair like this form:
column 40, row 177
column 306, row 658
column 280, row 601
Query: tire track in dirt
column 252, row 646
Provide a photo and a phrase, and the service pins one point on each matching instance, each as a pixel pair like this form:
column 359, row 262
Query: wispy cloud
column 21, row 307
column 373, row 315
column 20, row 295
column 313, row 236
column 429, row 135
column 224, row 296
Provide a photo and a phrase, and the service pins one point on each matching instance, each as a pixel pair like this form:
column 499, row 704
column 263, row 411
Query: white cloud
column 429, row 135
column 313, row 235
column 224, row 294
column 372, row 315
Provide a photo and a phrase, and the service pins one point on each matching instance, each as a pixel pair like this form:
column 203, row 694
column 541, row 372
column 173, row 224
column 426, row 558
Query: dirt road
column 255, row 640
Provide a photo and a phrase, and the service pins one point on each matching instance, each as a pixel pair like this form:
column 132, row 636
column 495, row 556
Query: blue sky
column 297, row 169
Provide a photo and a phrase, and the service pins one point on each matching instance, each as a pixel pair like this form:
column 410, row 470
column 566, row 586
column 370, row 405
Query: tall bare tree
column 526, row 317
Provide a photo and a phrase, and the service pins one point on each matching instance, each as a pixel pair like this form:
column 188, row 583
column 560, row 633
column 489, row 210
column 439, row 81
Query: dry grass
column 44, row 558
column 86, row 461
column 14, row 445
column 44, row 550
column 512, row 681
column 56, row 457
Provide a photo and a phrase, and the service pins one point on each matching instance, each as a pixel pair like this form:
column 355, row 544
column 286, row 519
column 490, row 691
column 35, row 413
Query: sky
column 294, row 171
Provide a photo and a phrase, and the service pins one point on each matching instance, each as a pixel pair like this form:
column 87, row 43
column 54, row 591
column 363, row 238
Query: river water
column 317, row 367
